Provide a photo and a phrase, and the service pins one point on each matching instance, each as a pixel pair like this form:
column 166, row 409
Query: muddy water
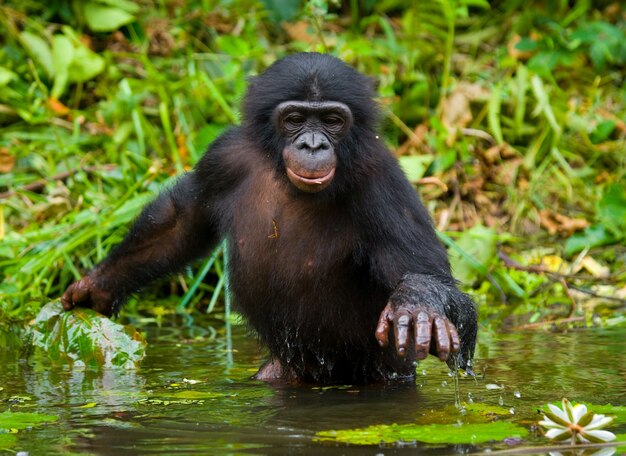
column 193, row 395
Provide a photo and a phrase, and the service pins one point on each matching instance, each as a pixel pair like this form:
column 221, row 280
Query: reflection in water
column 220, row 410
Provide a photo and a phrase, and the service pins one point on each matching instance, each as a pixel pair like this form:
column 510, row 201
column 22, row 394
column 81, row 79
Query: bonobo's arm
column 171, row 231
column 425, row 310
column 182, row 224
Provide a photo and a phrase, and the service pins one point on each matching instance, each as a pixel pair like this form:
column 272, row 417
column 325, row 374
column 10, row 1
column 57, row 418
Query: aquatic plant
column 577, row 423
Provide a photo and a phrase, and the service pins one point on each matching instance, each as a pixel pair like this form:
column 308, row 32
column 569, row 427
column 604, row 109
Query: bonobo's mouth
column 311, row 182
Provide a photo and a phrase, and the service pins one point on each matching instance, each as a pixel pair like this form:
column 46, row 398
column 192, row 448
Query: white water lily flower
column 576, row 423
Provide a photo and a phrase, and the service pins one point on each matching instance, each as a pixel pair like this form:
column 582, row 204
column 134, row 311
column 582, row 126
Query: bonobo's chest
column 284, row 239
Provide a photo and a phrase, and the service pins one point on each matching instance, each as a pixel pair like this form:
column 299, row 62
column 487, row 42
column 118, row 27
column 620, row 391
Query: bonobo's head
column 311, row 130
column 311, row 113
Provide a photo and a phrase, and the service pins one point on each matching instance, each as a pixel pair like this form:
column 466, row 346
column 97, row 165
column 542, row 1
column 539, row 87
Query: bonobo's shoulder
column 229, row 139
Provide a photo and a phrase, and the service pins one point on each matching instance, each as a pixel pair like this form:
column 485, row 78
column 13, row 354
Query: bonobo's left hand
column 87, row 293
column 420, row 325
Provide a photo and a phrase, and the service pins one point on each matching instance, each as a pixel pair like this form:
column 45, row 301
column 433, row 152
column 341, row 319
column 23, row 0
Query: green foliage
column 84, row 337
column 415, row 166
column 611, row 222
column 513, row 110
column 476, row 250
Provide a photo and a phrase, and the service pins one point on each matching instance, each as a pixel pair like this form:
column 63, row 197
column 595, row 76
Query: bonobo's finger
column 401, row 325
column 75, row 293
column 442, row 338
column 454, row 337
column 423, row 325
column 382, row 328
column 81, row 290
column 66, row 300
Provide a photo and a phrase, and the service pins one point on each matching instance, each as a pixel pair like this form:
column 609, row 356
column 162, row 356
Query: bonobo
column 334, row 260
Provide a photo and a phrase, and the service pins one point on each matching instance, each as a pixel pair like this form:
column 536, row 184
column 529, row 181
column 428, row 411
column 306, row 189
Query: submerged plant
column 577, row 423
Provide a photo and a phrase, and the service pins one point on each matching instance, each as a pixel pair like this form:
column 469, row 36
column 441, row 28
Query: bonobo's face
column 312, row 130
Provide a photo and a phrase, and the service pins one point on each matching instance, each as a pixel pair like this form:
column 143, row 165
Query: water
column 193, row 395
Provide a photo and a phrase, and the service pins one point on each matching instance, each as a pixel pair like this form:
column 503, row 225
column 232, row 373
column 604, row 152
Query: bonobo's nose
column 312, row 142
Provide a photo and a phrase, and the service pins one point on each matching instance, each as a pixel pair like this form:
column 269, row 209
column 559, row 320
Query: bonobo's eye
column 333, row 120
column 294, row 120
column 334, row 123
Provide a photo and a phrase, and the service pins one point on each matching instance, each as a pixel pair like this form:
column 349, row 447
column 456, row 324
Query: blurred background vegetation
column 509, row 117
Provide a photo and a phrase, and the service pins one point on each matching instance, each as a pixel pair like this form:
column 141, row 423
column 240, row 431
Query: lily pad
column 21, row 420
column 83, row 337
column 432, row 433
column 7, row 441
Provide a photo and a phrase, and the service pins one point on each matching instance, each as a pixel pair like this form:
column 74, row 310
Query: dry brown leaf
column 455, row 114
column 299, row 31
column 57, row 107
column 7, row 161
column 558, row 223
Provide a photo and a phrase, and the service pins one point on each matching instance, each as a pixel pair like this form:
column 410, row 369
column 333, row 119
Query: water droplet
column 500, row 401
column 517, row 394
column 444, row 383
column 512, row 411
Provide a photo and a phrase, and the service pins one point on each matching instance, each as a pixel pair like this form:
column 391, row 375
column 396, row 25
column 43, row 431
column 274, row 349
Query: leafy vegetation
column 84, row 338
column 508, row 115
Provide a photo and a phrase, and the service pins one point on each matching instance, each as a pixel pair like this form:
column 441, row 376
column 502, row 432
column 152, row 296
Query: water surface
column 194, row 395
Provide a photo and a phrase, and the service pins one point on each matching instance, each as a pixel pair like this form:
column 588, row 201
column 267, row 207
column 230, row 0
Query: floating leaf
column 432, row 433
column 21, row 420
column 7, row 441
column 87, row 338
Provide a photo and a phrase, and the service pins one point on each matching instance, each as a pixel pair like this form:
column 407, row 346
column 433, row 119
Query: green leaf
column 415, row 166
column 602, row 131
column 593, row 236
column 479, row 243
column 282, row 10
column 39, row 50
column 432, row 433
column 6, row 76
column 101, row 18
column 62, row 55
column 21, row 420
column 611, row 210
column 86, row 64
column 543, row 104
column 493, row 115
column 86, row 337
column 526, row 45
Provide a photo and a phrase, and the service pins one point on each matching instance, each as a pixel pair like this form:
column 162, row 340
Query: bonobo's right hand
column 87, row 293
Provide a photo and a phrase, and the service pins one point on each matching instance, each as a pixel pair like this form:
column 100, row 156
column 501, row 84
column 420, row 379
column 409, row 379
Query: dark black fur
column 310, row 272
